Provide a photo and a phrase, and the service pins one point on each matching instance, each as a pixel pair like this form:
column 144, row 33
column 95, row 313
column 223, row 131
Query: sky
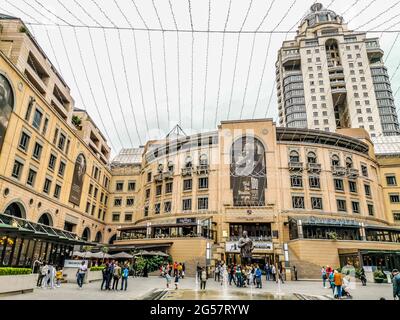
column 137, row 81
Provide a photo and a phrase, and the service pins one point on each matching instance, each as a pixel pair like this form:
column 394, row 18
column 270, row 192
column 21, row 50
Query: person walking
column 52, row 276
column 42, row 274
column 59, row 275
column 180, row 269
column 217, row 272
column 324, row 277
column 281, row 271
column 338, row 279
column 116, row 276
column 183, row 270
column 331, row 280
column 175, row 268
column 203, row 279
column 176, row 281
column 80, row 274
column 396, row 284
column 125, row 275
column 363, row 277
column 295, row 273
column 198, row 271
column 239, row 281
column 105, row 274
column 46, row 278
column 258, row 275
column 267, row 270
column 168, row 278
column 273, row 272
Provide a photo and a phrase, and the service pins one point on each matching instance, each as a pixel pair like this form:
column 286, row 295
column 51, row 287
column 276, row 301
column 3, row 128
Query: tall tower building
column 330, row 78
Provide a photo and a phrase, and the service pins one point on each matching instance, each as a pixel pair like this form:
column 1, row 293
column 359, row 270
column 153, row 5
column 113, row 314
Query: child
column 168, row 278
column 176, row 280
column 59, row 275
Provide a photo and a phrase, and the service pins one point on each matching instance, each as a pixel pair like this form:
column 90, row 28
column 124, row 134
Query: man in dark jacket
column 105, row 273
column 396, row 284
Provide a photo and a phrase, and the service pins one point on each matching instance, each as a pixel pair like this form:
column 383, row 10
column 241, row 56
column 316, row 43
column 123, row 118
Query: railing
column 260, row 238
column 168, row 175
column 203, row 169
column 187, row 171
column 339, row 171
column 295, row 166
column 354, row 173
column 314, row 167
column 158, row 177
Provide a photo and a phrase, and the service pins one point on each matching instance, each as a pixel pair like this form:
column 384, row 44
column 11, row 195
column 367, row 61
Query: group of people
column 339, row 284
column 49, row 276
column 245, row 275
column 175, row 270
column 114, row 272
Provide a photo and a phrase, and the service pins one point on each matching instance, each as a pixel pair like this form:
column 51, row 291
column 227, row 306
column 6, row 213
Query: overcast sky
column 152, row 77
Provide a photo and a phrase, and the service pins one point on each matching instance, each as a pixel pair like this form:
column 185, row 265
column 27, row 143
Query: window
column 147, row 193
column 130, row 202
column 31, row 178
column 394, row 198
column 367, row 189
column 24, row 141
column 396, row 217
column 57, row 191
column 349, row 163
column 90, row 189
column 158, row 190
column 339, row 186
column 371, row 211
column 87, row 207
column 203, row 183
column 29, row 109
column 335, row 161
column 61, row 168
column 341, row 205
column 187, row 204
column 128, row 216
column 168, row 187
column 187, row 184
column 148, row 176
column 294, row 156
column 391, row 180
column 202, row 203
column 131, row 186
column 37, row 151
column 17, row 169
column 96, row 191
column 52, row 162
column 353, row 186
column 47, row 186
column 316, row 203
column 67, row 147
column 105, row 200
column 117, row 202
column 45, row 126
column 298, row 202
column 157, row 208
column 167, row 206
column 146, row 211
column 115, row 217
column 119, row 186
column 61, row 142
column 314, row 182
column 37, row 119
column 355, row 206
column 296, row 181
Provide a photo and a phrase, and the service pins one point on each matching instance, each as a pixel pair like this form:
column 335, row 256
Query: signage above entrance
column 232, row 246
column 185, row 220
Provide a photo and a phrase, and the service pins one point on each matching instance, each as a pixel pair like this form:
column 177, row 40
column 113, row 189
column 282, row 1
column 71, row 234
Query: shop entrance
column 260, row 259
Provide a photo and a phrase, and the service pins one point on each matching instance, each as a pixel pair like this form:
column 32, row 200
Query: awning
column 139, row 247
column 370, row 226
column 317, row 221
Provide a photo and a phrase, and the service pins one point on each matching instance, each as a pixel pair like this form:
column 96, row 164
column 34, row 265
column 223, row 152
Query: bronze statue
column 246, row 247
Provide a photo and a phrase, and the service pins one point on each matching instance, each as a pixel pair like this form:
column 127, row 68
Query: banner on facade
column 248, row 172
column 6, row 106
column 185, row 220
column 232, row 246
column 77, row 180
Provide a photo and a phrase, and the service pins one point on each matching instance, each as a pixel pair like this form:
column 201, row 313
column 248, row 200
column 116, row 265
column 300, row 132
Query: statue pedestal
column 288, row 273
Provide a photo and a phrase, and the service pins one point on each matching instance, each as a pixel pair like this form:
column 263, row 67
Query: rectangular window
column 67, row 147
column 117, row 202
column 371, row 210
column 130, row 202
column 29, row 109
column 396, row 217
column 203, row 183
column 167, row 206
column 17, row 169
column 87, row 207
column 96, row 191
column 93, row 209
column 147, row 193
column 37, row 151
column 61, row 168
column 158, row 190
column 57, row 191
column 298, row 202
column 187, row 204
column 55, row 136
column 47, row 186
column 24, row 141
column 37, row 119
column 355, row 206
column 102, row 197
column 146, row 211
column 128, row 216
column 148, row 176
column 353, row 186
column 296, row 181
column 45, row 126
column 391, row 180
column 202, row 203
column 119, row 186
column 187, row 184
column 394, row 198
column 339, row 186
column 61, row 141
column 168, row 187
column 316, row 203
column 157, row 208
column 52, row 161
column 364, row 170
column 367, row 190
column 115, row 217
column 31, row 178
column 341, row 205
column 131, row 186
column 90, row 189
column 314, row 182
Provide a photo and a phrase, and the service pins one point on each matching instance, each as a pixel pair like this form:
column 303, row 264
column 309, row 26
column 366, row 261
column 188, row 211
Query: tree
column 76, row 121
column 104, row 250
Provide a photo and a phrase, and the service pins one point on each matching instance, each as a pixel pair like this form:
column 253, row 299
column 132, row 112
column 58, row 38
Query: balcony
column 158, row 177
column 314, row 167
column 203, row 169
column 168, row 175
column 339, row 171
column 295, row 166
column 353, row 173
column 187, row 171
column 339, row 90
column 290, row 57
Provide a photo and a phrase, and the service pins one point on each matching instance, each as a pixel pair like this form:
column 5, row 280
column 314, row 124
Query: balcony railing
column 187, row 171
column 260, row 238
column 168, row 175
column 158, row 177
column 339, row 171
column 203, row 169
column 314, row 167
column 295, row 166
column 353, row 173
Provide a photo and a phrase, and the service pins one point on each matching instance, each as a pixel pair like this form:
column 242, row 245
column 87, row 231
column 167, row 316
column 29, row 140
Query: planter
column 18, row 283
column 379, row 280
column 94, row 276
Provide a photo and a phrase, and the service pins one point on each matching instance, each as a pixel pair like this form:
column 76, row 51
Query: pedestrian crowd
column 175, row 271
column 50, row 276
column 112, row 273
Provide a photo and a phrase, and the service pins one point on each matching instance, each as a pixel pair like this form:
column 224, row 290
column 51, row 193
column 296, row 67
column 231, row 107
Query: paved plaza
column 140, row 288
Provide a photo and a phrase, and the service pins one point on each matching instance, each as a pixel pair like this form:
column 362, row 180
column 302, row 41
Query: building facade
column 330, row 77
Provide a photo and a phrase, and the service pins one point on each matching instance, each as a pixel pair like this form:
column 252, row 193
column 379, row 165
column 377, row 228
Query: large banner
column 248, row 172
column 232, row 246
column 77, row 180
column 6, row 106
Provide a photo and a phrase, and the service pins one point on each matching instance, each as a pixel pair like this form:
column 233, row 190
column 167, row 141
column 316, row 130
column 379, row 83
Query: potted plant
column 333, row 236
column 379, row 276
column 77, row 122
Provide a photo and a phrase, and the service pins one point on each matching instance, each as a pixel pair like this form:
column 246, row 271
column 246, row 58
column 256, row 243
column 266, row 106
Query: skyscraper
column 330, row 77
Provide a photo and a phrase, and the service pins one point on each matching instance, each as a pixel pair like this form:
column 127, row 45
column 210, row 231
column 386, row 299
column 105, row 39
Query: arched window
column 170, row 166
column 46, row 219
column 98, row 237
column 160, row 168
column 112, row 239
column 349, row 163
column 335, row 161
column 16, row 209
column 311, row 157
column 294, row 156
column 203, row 160
column 188, row 162
column 86, row 234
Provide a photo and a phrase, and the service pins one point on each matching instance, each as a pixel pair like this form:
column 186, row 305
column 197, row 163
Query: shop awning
column 370, row 226
column 334, row 222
